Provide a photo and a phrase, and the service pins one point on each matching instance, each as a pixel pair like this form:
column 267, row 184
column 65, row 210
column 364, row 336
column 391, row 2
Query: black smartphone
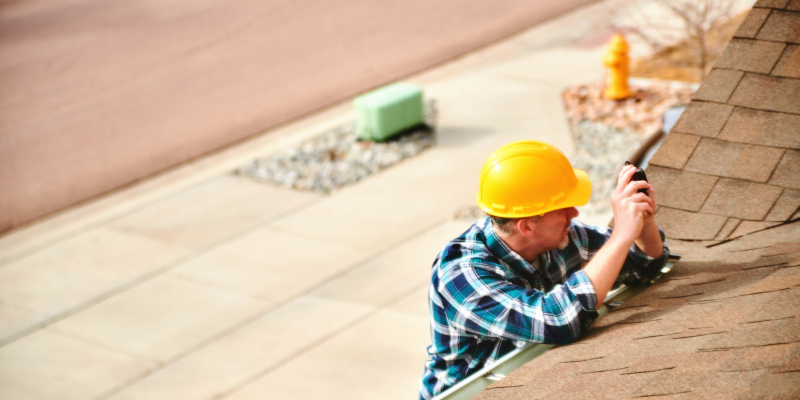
column 639, row 175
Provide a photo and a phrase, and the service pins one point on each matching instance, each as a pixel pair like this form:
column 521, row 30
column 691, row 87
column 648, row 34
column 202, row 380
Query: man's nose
column 572, row 212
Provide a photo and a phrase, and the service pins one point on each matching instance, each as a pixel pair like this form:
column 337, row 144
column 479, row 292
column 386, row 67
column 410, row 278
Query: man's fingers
column 646, row 209
column 634, row 186
column 624, row 177
column 642, row 198
column 651, row 192
column 639, row 203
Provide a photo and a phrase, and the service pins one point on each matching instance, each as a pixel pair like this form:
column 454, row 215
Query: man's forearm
column 649, row 240
column 603, row 269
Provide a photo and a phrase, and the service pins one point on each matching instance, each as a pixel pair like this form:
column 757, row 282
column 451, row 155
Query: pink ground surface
column 97, row 94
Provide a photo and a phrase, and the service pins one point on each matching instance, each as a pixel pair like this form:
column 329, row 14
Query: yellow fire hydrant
column 618, row 64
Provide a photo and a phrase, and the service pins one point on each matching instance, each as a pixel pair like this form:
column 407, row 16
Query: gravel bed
column 601, row 151
column 337, row 158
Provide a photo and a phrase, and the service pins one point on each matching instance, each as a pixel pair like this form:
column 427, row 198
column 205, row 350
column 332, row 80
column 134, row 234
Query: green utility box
column 388, row 111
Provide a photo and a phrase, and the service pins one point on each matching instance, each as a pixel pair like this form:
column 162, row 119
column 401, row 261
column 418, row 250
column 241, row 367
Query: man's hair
column 504, row 224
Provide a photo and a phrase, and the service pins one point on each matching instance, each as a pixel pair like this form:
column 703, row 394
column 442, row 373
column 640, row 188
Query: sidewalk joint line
column 274, row 307
column 47, row 321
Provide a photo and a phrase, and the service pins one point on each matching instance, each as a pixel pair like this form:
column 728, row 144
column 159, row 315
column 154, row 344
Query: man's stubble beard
column 564, row 243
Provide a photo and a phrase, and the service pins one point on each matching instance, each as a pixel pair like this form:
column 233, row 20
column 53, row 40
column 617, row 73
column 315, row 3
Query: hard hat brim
column 582, row 193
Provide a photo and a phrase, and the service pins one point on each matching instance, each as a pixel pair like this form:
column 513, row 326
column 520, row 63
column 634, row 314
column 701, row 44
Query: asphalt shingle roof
column 741, row 132
column 725, row 322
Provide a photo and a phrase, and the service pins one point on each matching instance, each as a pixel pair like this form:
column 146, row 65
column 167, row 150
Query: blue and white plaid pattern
column 485, row 300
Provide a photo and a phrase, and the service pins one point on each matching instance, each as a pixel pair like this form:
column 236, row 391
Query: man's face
column 552, row 228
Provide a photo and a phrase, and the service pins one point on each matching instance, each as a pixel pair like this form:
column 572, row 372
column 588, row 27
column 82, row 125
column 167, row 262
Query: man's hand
column 633, row 211
column 633, row 223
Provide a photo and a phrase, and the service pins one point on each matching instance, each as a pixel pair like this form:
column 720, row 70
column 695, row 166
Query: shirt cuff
column 640, row 257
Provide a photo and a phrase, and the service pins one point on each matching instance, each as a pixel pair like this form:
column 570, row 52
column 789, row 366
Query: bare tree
column 663, row 23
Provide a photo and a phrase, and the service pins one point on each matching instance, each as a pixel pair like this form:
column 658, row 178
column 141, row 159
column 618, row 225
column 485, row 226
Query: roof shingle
column 747, row 227
column 769, row 93
column 689, row 225
column 787, row 173
column 735, row 160
column 675, row 150
column 771, row 3
column 718, row 85
column 789, row 63
column 704, row 118
column 728, row 228
column 765, row 128
column 681, row 189
column 751, row 55
column 787, row 204
column 752, row 23
column 741, row 199
column 781, row 26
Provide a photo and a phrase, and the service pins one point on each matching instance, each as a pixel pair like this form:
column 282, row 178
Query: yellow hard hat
column 527, row 178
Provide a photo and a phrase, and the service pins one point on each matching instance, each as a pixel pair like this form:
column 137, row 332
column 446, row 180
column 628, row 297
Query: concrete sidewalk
column 198, row 284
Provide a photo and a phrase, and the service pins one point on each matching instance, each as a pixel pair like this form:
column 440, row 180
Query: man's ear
column 526, row 227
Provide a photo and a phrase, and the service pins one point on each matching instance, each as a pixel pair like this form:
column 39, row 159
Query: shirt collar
column 500, row 249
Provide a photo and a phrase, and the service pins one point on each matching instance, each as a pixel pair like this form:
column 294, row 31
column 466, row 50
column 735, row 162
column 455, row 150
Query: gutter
column 489, row 374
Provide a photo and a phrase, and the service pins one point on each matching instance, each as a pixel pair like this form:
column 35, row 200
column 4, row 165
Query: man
column 528, row 272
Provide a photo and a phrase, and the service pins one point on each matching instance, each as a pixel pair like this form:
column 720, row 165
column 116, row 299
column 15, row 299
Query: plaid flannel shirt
column 486, row 301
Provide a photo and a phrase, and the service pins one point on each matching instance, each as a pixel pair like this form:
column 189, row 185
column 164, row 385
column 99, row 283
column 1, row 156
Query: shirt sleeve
column 638, row 266
column 483, row 302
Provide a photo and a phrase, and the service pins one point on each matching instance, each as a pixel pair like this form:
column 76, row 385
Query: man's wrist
column 615, row 243
column 650, row 242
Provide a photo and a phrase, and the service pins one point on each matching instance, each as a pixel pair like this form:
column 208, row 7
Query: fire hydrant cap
column 528, row 178
column 618, row 44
